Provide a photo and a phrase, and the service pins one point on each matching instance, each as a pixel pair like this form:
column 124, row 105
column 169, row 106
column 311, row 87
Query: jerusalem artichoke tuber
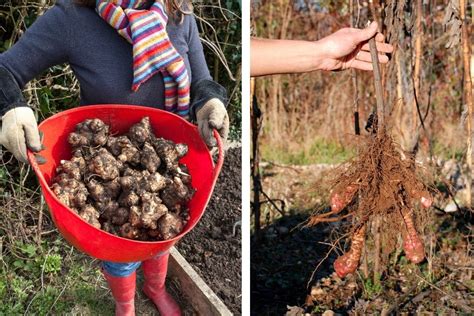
column 118, row 183
column 349, row 262
column 169, row 225
column 412, row 244
column 92, row 132
column 339, row 200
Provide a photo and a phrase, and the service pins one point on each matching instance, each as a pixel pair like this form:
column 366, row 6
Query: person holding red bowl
column 140, row 52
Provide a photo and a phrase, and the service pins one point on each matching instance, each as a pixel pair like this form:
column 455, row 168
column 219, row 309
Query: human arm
column 346, row 48
column 41, row 46
column 208, row 98
column 19, row 128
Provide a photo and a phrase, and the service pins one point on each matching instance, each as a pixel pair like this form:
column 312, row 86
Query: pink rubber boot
column 123, row 291
column 155, row 271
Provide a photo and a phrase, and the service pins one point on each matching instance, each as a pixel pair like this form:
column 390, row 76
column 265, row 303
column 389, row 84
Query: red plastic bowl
column 99, row 243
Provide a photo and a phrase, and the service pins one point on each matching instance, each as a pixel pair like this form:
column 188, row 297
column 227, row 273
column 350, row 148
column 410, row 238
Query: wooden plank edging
column 197, row 292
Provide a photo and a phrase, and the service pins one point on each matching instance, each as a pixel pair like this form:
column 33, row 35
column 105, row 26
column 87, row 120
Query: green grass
column 320, row 151
column 371, row 289
column 51, row 279
column 331, row 152
column 449, row 152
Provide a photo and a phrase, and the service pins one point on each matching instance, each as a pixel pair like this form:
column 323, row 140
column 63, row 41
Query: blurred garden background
column 304, row 128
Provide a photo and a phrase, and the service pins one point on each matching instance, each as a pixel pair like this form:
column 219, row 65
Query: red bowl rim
column 217, row 169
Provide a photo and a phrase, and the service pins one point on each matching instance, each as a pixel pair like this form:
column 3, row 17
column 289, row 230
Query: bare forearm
column 343, row 49
column 282, row 56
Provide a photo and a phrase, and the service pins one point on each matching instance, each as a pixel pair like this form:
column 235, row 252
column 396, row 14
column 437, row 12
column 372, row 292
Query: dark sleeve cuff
column 10, row 93
column 203, row 91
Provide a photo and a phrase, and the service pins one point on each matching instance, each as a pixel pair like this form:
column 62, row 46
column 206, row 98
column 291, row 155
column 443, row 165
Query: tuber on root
column 129, row 185
column 340, row 200
column 424, row 197
column 412, row 244
column 387, row 186
column 381, row 181
column 349, row 262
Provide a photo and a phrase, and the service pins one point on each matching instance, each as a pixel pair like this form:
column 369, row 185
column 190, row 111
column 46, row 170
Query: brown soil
column 211, row 248
column 282, row 263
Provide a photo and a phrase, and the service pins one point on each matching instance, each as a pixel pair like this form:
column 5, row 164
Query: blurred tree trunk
column 417, row 66
column 373, row 10
column 466, row 56
column 255, row 118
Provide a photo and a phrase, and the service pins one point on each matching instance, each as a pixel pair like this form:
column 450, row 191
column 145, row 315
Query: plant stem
column 377, row 250
column 380, row 132
column 378, row 87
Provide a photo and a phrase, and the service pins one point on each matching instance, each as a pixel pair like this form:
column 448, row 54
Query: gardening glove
column 208, row 110
column 19, row 131
column 19, row 128
column 213, row 115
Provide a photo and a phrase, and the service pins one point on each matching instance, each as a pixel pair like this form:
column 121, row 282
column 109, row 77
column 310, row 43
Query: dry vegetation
column 322, row 104
column 377, row 196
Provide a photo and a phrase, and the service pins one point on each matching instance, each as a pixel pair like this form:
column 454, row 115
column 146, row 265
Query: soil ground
column 212, row 248
column 282, row 262
column 287, row 254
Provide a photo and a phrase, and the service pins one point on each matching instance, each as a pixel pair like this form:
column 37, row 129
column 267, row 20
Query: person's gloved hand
column 212, row 115
column 19, row 130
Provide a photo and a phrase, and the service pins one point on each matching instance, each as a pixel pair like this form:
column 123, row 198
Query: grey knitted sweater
column 100, row 58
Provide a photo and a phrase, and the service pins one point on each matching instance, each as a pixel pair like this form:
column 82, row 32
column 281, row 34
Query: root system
column 381, row 181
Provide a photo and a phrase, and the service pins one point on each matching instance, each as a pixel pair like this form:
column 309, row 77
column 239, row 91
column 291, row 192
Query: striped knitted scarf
column 153, row 51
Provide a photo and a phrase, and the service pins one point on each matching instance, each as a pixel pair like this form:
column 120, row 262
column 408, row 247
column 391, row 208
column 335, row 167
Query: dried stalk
column 377, row 250
column 256, row 124
column 378, row 87
column 380, row 132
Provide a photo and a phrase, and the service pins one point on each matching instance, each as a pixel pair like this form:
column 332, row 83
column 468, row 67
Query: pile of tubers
column 130, row 185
